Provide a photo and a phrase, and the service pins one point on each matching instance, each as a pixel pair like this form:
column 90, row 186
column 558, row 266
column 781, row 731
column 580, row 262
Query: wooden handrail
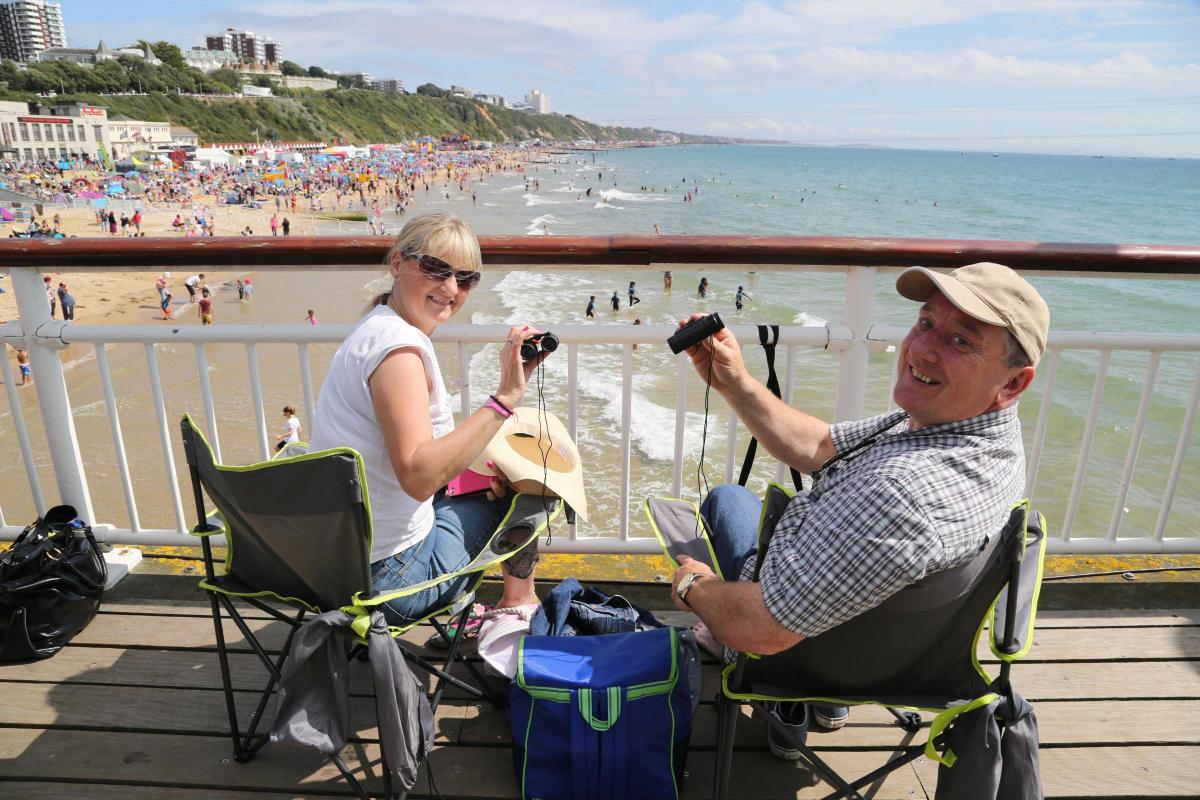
column 624, row 250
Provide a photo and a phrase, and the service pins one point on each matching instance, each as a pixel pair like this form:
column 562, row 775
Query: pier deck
column 133, row 709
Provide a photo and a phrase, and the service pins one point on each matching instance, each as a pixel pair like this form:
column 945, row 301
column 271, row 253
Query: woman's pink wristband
column 498, row 407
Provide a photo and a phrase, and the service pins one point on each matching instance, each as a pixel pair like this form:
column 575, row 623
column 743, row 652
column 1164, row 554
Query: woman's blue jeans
column 461, row 529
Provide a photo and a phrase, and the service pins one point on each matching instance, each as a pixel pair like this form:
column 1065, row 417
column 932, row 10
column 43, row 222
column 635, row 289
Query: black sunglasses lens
column 467, row 279
column 435, row 268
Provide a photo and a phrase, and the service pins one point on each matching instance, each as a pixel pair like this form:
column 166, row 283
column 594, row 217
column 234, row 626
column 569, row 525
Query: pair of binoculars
column 542, row 342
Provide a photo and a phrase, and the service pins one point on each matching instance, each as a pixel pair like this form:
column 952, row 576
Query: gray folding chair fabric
column 917, row 650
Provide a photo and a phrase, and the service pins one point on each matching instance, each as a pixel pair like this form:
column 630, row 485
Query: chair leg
column 909, row 720
column 727, row 714
column 249, row 746
column 823, row 770
column 336, row 758
column 455, row 643
column 907, row 755
column 226, row 680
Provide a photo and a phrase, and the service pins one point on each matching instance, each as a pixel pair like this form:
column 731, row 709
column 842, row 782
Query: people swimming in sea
column 590, row 312
column 738, row 298
column 702, row 290
column 633, row 297
column 616, row 301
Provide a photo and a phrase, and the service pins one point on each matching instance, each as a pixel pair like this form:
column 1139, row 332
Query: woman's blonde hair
column 435, row 234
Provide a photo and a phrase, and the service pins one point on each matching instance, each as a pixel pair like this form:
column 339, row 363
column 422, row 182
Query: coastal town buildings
column 30, row 131
column 537, row 102
column 207, row 60
column 27, row 27
column 247, row 45
column 130, row 135
column 183, row 137
column 90, row 57
column 389, row 85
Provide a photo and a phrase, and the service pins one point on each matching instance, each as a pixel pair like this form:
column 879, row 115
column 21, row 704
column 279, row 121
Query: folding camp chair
column 916, row 651
column 298, row 530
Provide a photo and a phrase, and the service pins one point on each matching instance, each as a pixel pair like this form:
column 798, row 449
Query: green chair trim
column 700, row 523
column 358, row 461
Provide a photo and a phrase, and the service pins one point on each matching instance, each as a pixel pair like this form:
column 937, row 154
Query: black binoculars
column 541, row 342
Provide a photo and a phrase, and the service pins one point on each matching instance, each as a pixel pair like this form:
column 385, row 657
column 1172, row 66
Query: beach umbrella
column 131, row 173
column 64, row 165
column 6, row 215
column 116, row 189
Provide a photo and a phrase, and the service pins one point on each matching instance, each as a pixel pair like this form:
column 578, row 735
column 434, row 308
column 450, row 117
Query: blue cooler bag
column 602, row 717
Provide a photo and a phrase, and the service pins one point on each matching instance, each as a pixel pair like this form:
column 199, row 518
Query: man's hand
column 688, row 565
column 722, row 352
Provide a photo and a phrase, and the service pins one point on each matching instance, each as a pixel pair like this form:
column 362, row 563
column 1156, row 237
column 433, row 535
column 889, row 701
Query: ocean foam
column 608, row 205
column 534, row 228
column 535, row 200
column 632, row 197
column 809, row 320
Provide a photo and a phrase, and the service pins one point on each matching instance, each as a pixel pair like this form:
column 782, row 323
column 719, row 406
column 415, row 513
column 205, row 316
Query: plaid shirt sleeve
column 830, row 560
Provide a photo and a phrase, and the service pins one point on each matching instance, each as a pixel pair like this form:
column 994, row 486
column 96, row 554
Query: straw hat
column 531, row 446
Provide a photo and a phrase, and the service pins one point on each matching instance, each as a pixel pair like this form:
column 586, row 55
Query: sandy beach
column 114, row 298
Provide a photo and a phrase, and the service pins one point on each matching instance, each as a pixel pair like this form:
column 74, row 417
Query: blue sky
column 1064, row 76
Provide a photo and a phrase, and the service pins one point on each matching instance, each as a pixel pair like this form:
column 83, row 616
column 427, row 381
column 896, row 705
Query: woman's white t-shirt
column 293, row 425
column 345, row 417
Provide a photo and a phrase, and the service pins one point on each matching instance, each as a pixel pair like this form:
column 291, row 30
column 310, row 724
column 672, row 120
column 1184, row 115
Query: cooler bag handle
column 599, row 746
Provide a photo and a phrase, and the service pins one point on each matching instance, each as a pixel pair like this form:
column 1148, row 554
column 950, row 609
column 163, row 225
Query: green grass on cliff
column 353, row 115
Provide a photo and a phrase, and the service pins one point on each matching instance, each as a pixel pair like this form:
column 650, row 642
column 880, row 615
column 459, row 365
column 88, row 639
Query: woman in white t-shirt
column 293, row 431
column 384, row 397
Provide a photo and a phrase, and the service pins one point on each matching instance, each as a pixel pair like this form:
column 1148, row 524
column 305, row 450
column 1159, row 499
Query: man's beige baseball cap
column 991, row 293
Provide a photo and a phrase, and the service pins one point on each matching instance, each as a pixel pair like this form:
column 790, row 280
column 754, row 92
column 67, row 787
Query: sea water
column 736, row 190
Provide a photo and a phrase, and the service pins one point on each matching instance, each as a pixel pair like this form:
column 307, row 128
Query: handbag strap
column 768, row 337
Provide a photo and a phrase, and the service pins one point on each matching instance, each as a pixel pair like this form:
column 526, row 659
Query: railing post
column 51, row 386
column 852, row 369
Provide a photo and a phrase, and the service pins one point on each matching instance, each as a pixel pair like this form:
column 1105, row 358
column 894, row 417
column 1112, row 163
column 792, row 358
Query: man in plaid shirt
column 921, row 492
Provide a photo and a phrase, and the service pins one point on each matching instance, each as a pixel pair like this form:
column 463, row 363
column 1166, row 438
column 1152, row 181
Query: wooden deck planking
column 138, row 694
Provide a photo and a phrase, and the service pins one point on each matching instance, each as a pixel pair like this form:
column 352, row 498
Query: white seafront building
column 31, row 132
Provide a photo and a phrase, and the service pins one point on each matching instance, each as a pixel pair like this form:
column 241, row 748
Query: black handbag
column 51, row 580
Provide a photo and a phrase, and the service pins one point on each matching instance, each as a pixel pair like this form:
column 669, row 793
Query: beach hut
column 213, row 157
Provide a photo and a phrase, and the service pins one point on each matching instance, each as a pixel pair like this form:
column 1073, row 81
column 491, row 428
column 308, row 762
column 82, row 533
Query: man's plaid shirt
column 912, row 504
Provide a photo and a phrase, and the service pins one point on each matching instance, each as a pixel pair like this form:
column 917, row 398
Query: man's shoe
column 794, row 717
column 831, row 718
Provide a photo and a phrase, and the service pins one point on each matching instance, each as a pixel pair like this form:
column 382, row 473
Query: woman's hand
column 718, row 358
column 500, row 482
column 514, row 373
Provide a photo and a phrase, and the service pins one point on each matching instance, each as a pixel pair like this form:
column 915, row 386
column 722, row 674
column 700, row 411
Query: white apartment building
column 247, row 45
column 130, row 135
column 30, row 132
column 27, row 27
column 537, row 102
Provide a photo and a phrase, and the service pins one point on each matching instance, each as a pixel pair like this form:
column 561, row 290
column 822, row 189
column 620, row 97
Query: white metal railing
column 851, row 342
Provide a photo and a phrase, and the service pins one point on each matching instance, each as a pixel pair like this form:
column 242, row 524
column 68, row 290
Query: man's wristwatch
column 686, row 585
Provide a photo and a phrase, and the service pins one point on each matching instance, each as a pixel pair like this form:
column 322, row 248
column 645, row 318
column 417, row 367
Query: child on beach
column 633, row 298
column 241, row 287
column 206, row 308
column 247, row 289
column 616, row 301
column 591, row 307
column 23, row 366
column 292, row 432
column 741, row 295
column 637, row 321
column 164, row 298
column 312, row 317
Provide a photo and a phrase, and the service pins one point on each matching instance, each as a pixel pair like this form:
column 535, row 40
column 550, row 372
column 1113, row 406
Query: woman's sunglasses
column 435, row 269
